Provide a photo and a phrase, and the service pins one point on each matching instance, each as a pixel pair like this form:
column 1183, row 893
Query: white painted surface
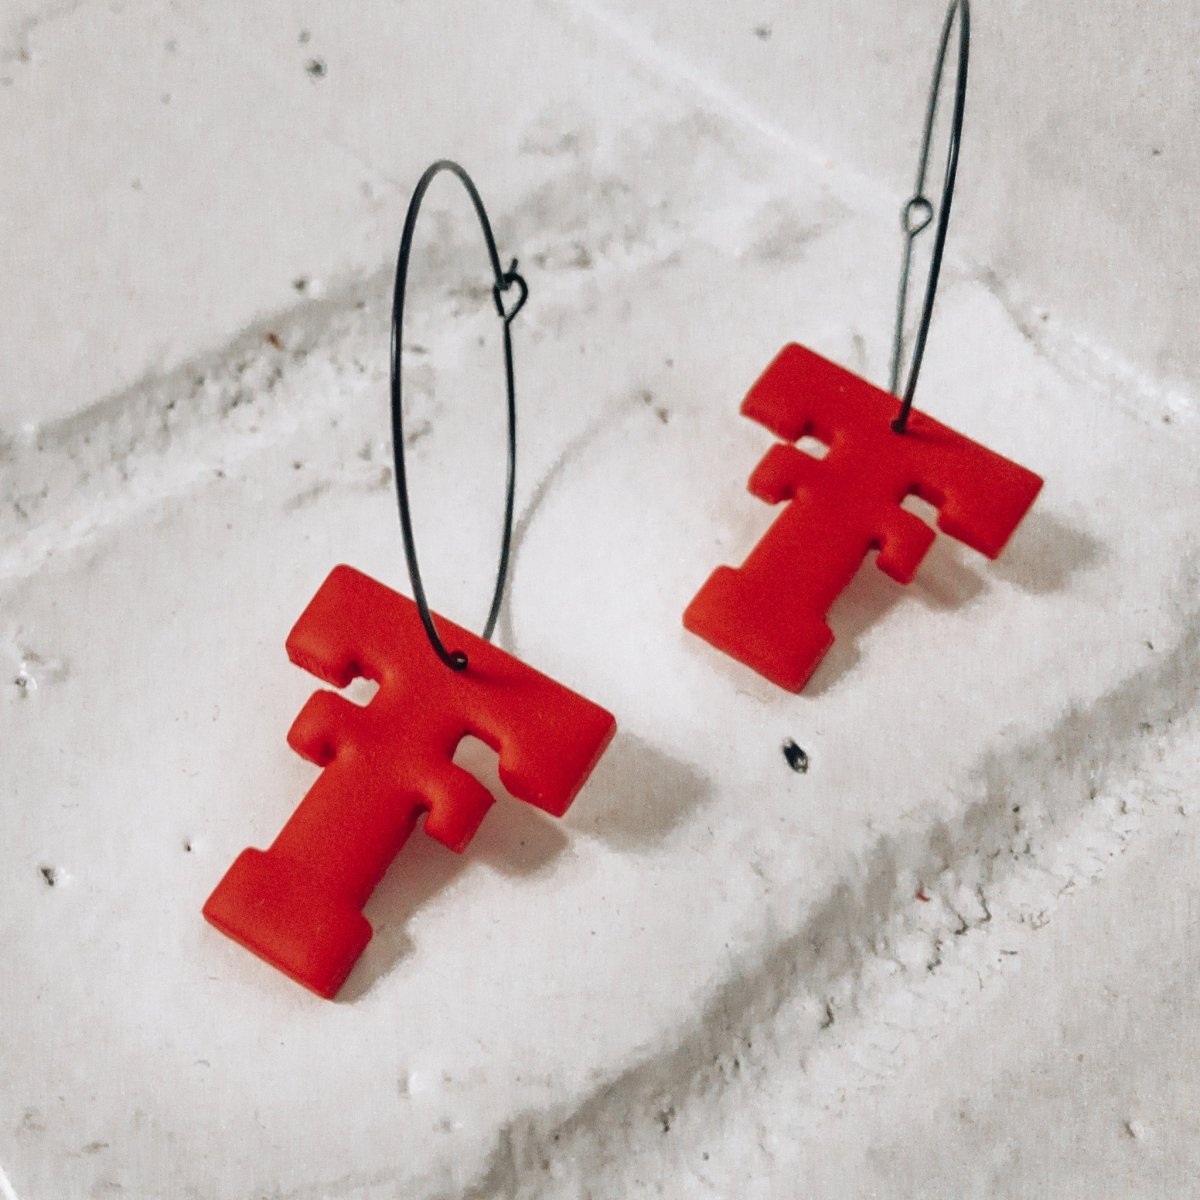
column 710, row 956
column 1080, row 156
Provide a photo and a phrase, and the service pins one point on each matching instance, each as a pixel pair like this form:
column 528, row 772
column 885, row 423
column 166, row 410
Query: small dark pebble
column 796, row 758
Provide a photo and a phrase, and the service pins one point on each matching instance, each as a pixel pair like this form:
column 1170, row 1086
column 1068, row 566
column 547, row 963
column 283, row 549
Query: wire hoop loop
column 456, row 660
column 918, row 212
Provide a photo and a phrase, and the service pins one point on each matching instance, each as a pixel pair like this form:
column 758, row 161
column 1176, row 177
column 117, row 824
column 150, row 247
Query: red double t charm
column 299, row 904
column 770, row 612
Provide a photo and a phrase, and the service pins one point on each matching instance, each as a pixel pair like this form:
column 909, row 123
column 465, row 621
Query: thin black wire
column 918, row 212
column 456, row 660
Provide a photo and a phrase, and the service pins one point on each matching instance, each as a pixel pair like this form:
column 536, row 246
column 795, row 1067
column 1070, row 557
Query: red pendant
column 770, row 612
column 299, row 904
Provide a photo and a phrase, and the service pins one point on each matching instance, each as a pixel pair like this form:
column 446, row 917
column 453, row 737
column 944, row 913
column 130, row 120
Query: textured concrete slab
column 715, row 976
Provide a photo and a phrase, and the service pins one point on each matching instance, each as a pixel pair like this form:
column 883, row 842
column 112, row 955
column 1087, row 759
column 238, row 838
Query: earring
column 299, row 903
column 770, row 613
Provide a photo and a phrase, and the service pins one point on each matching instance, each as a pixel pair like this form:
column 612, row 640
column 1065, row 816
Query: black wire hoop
column 918, row 212
column 456, row 660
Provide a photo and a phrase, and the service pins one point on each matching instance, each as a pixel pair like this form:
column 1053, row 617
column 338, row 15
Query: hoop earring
column 298, row 904
column 770, row 612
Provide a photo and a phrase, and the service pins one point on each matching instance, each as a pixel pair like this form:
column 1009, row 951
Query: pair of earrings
column 299, row 903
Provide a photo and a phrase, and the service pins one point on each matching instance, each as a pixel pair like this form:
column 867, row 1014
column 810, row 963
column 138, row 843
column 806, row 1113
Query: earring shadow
column 1044, row 555
column 944, row 581
column 637, row 796
column 515, row 839
column 634, row 798
column 578, row 445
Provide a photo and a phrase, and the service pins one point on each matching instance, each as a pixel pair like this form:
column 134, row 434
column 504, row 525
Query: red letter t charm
column 770, row 612
column 299, row 904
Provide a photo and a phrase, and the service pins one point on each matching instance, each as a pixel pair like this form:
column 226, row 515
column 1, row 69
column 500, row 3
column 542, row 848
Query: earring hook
column 918, row 211
column 456, row 660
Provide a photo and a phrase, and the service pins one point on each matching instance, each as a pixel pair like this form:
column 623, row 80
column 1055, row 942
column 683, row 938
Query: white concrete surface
column 714, row 977
column 1079, row 154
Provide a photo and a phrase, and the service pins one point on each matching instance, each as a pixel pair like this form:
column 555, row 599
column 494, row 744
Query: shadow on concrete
column 634, row 798
column 1044, row 555
column 637, row 796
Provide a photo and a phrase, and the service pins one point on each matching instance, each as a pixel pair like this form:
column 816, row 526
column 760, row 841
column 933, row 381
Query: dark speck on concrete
column 316, row 68
column 304, row 37
column 300, row 283
column 50, row 875
column 424, row 429
column 796, row 758
column 762, row 32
